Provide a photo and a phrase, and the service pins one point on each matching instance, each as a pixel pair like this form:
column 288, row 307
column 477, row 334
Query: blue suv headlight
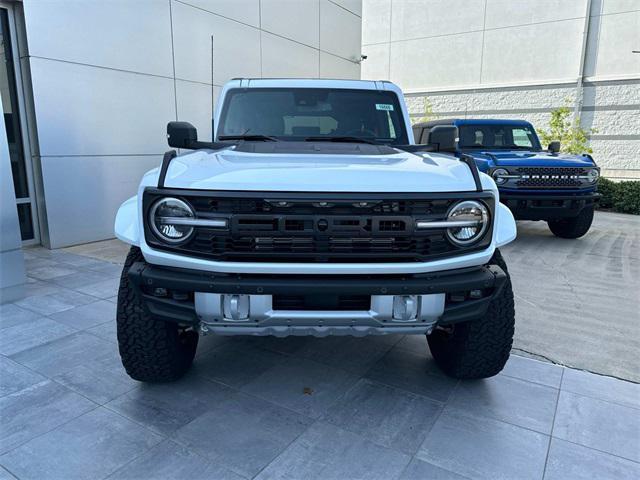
column 592, row 175
column 500, row 176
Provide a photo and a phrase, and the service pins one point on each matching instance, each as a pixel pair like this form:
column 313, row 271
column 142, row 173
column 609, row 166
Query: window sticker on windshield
column 384, row 106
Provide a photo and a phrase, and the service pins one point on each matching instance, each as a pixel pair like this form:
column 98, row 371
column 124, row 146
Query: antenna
column 212, row 94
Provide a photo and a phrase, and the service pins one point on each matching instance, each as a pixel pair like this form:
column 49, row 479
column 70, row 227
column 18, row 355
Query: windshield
column 498, row 137
column 299, row 114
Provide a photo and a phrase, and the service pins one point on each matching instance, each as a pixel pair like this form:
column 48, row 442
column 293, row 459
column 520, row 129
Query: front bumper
column 182, row 296
column 531, row 206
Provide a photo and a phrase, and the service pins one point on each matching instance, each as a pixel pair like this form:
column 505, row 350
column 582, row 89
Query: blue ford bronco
column 535, row 184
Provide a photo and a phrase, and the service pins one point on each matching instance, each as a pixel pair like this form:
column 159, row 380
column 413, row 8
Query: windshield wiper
column 345, row 139
column 250, row 138
column 517, row 147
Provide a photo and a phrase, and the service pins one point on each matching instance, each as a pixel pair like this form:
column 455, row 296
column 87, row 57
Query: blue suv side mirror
column 554, row 147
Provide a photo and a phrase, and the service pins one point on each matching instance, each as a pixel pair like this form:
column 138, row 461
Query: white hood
column 400, row 172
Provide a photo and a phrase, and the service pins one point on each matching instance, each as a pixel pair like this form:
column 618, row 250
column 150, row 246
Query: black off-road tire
column 478, row 348
column 151, row 350
column 573, row 227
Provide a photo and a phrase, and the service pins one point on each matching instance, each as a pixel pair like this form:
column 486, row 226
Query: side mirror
column 444, row 138
column 554, row 147
column 181, row 134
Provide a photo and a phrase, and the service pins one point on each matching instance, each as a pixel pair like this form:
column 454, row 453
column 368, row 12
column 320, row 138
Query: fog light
column 475, row 294
column 405, row 308
column 236, row 307
column 159, row 292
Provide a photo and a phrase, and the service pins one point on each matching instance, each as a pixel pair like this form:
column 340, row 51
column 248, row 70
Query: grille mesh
column 550, row 177
column 303, row 230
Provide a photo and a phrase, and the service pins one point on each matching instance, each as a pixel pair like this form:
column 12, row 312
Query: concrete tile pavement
column 286, row 408
column 577, row 301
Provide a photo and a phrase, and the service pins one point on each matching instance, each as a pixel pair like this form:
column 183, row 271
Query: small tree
column 427, row 113
column 573, row 138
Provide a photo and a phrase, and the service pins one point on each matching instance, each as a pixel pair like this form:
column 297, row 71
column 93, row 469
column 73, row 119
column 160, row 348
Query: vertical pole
column 583, row 55
column 212, row 94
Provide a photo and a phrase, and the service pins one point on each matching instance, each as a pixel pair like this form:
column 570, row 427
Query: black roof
column 433, row 123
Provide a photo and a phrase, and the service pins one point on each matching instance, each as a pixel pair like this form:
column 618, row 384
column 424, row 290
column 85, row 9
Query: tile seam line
column 437, row 419
column 133, row 420
column 345, row 8
column 582, row 395
column 592, row 372
column 49, row 294
column 443, row 402
column 45, row 377
column 492, row 418
column 557, row 84
column 321, row 420
column 586, row 108
column 208, row 84
column 635, row 462
column 79, row 291
column 346, row 428
column 120, row 467
column 96, row 406
column 12, row 250
column 529, row 381
column 123, row 70
column 488, row 29
column 10, row 357
column 6, row 469
column 478, row 417
column 134, row 72
column 167, row 77
column 615, row 13
column 252, row 395
column 236, row 391
column 94, row 155
column 317, row 420
column 163, row 438
column 244, row 392
column 553, row 424
column 262, row 29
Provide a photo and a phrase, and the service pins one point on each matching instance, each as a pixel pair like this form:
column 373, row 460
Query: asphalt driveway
column 578, row 301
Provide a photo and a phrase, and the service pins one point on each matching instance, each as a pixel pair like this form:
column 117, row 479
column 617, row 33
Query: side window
column 522, row 137
column 417, row 134
column 421, row 134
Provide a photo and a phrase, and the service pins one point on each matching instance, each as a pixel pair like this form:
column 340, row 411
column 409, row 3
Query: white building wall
column 108, row 75
column 515, row 59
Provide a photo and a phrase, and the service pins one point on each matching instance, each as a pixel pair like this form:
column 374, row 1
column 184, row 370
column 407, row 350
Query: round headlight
column 471, row 220
column 499, row 175
column 592, row 175
column 165, row 220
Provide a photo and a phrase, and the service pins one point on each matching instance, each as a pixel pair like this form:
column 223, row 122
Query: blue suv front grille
column 547, row 178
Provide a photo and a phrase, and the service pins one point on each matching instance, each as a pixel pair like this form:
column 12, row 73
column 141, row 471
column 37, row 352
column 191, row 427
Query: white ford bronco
column 313, row 212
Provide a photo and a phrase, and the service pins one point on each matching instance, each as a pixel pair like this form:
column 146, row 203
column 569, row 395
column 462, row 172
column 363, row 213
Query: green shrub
column 573, row 138
column 623, row 197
